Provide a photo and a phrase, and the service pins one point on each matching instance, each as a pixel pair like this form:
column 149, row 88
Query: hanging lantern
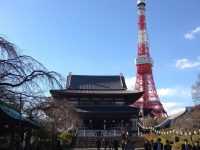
column 185, row 133
column 190, row 133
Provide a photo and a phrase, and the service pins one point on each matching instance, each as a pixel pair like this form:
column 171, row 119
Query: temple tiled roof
column 14, row 114
column 89, row 82
column 80, row 86
column 102, row 93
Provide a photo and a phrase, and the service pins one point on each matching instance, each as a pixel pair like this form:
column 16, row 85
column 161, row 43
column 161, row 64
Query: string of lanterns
column 181, row 133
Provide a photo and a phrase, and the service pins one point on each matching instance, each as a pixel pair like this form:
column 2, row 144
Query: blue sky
column 99, row 37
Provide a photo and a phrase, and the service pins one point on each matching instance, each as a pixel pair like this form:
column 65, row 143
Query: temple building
column 102, row 102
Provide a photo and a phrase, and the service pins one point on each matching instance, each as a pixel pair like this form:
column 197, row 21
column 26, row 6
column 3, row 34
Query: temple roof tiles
column 92, row 82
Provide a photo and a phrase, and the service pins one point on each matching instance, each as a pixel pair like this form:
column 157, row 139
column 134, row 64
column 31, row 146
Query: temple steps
column 90, row 142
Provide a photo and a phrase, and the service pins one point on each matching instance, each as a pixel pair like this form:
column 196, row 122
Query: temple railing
column 98, row 133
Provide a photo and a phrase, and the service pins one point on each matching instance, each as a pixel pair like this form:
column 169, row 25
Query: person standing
column 152, row 143
column 167, row 146
column 116, row 144
column 158, row 145
column 98, row 144
column 196, row 146
column 133, row 145
column 123, row 144
column 110, row 144
column 106, row 143
column 147, row 145
column 186, row 146
column 128, row 145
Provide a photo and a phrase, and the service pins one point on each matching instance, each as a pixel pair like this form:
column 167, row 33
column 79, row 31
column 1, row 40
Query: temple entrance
column 102, row 103
column 101, row 124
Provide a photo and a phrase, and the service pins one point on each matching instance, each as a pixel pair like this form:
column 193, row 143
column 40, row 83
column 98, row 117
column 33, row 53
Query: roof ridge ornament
column 69, row 79
column 120, row 76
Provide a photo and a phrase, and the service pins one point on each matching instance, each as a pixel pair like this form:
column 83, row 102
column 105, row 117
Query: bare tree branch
column 23, row 76
column 196, row 91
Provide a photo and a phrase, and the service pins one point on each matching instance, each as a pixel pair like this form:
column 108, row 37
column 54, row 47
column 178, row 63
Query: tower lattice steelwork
column 144, row 79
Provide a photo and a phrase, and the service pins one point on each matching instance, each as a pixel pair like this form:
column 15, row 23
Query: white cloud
column 185, row 63
column 176, row 110
column 173, row 108
column 168, row 105
column 130, row 83
column 192, row 34
column 175, row 99
column 177, row 92
column 166, row 92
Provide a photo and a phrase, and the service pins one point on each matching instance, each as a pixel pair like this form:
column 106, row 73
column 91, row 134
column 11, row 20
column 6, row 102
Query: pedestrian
column 158, row 145
column 133, row 145
column 106, row 142
column 128, row 145
column 186, row 145
column 147, row 145
column 110, row 144
column 123, row 135
column 152, row 143
column 123, row 144
column 98, row 144
column 58, row 145
column 167, row 146
column 196, row 146
column 116, row 144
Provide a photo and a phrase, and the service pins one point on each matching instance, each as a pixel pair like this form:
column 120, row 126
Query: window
column 96, row 101
column 119, row 103
column 74, row 101
column 108, row 101
column 84, row 101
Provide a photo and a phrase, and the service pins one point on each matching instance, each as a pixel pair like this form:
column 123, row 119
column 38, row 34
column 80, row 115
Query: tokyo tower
column 149, row 103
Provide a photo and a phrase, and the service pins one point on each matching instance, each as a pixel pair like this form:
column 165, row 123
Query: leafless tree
column 196, row 91
column 60, row 113
column 188, row 122
column 148, row 121
column 195, row 113
column 24, row 83
column 24, row 79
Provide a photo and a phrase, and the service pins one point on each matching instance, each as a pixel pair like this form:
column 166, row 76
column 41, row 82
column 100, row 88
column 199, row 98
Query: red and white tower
column 144, row 79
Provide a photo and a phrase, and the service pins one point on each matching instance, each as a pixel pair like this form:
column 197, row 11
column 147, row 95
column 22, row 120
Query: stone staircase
column 138, row 142
column 90, row 142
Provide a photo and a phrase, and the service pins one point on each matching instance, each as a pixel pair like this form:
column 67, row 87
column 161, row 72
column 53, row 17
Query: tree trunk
column 28, row 138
